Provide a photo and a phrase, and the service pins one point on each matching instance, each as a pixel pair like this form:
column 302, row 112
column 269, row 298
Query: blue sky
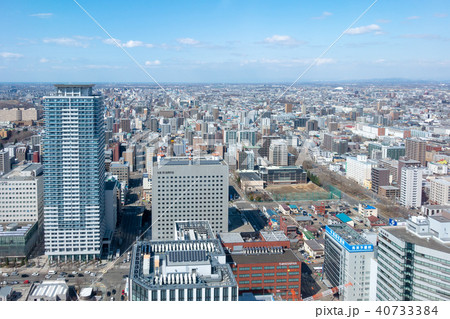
column 223, row 41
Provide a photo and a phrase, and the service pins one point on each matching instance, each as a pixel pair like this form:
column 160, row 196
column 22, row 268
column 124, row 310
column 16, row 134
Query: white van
column 52, row 272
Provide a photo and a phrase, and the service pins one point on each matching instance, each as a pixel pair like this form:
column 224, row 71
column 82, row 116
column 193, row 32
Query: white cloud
column 128, row 44
column 150, row 63
column 44, row 60
column 441, row 15
column 289, row 62
column 188, row 41
column 323, row 61
column 323, row 16
column 112, row 41
column 132, row 44
column 364, row 29
column 41, row 15
column 383, row 21
column 379, row 61
column 413, row 18
column 285, row 40
column 10, row 55
column 66, row 42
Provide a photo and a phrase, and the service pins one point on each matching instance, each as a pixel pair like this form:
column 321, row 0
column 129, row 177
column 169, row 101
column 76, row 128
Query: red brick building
column 231, row 241
column 269, row 273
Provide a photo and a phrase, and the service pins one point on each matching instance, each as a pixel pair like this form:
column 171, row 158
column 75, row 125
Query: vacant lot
column 295, row 188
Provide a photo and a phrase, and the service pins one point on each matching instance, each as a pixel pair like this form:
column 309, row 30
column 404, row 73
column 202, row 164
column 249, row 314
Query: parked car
column 5, row 274
column 74, row 273
column 35, row 274
column 14, row 273
column 26, row 282
column 24, row 276
column 48, row 276
column 80, row 275
column 87, row 272
column 70, row 276
column 93, row 274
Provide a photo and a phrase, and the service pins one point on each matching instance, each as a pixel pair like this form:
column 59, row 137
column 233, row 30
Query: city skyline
column 224, row 41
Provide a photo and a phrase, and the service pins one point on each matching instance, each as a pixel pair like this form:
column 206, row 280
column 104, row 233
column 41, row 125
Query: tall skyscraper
column 288, row 108
column 415, row 149
column 5, row 163
column 380, row 177
column 189, row 190
column 74, row 173
column 411, row 187
column 278, row 153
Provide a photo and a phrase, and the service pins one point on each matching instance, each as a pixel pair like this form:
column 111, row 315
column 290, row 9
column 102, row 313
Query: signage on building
column 392, row 222
column 287, row 264
column 347, row 246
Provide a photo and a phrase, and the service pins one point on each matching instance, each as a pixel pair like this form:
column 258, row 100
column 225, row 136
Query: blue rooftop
column 370, row 207
column 344, row 218
column 271, row 212
column 293, row 206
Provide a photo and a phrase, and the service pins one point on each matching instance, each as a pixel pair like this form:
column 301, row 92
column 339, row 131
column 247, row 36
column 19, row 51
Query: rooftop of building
column 194, row 259
column 441, row 219
column 402, row 233
column 228, row 238
column 409, row 161
column 273, row 236
column 348, row 234
column 343, row 217
column 437, row 206
column 24, row 172
column 158, row 263
column 50, row 289
column 179, row 161
column 285, row 257
column 314, row 245
column 119, row 165
column 269, row 168
column 249, row 176
column 109, row 185
column 74, row 85
column 442, row 180
column 193, row 230
column 15, row 229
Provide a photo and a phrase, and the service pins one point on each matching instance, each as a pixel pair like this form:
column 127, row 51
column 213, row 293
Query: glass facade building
column 74, row 173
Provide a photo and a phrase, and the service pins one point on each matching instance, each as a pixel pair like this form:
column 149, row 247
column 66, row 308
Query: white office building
column 278, row 153
column 348, row 259
column 414, row 260
column 191, row 190
column 440, row 191
column 22, row 195
column 360, row 168
column 150, row 153
column 411, row 187
column 192, row 267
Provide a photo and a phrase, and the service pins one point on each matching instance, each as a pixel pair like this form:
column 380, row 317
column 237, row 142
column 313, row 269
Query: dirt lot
column 295, row 188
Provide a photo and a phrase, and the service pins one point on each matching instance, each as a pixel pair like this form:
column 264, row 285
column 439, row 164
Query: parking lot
column 75, row 274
